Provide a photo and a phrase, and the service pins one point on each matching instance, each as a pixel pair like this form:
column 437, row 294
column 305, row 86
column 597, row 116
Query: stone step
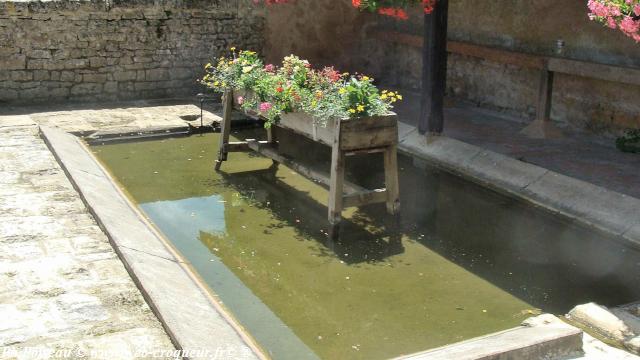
column 552, row 341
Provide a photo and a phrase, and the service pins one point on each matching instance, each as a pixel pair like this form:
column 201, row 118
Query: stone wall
column 108, row 50
column 334, row 33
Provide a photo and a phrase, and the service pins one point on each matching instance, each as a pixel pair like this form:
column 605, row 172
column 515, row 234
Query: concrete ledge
column 539, row 342
column 607, row 211
column 190, row 315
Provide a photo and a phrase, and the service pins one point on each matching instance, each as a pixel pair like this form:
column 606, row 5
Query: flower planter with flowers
column 343, row 111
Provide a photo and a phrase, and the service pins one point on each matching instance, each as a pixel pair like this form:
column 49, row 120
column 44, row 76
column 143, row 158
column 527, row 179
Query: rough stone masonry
column 55, row 51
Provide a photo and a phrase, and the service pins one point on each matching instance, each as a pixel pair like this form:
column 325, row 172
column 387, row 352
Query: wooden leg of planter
column 225, row 128
column 391, row 180
column 336, row 185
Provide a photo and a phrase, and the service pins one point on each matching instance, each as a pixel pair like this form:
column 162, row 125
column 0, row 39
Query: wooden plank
column 312, row 174
column 240, row 146
column 596, row 71
column 434, row 69
column 370, row 138
column 336, row 182
column 625, row 75
column 545, row 92
column 365, row 197
column 497, row 55
column 365, row 151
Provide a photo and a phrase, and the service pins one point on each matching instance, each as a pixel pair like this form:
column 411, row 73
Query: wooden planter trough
column 346, row 137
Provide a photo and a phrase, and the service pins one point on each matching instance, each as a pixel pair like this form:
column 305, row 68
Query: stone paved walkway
column 62, row 287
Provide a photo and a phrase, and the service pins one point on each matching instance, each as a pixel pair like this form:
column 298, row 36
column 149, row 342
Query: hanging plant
column 623, row 15
column 394, row 8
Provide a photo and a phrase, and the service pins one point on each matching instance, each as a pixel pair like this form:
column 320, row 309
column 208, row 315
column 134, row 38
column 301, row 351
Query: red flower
column 394, row 12
column 279, row 89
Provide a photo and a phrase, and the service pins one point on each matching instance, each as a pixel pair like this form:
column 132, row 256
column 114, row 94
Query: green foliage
column 629, row 142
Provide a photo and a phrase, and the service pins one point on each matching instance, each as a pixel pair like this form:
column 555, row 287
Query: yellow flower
column 365, row 78
column 247, row 69
column 216, row 83
column 233, row 48
column 207, row 66
column 360, row 108
column 224, row 84
column 399, row 97
column 384, row 91
column 383, row 96
column 342, row 90
column 353, row 111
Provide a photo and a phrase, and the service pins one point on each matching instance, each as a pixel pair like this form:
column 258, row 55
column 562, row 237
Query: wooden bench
column 547, row 65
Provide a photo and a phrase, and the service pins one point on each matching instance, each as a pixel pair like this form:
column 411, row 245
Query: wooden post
column 391, row 179
column 434, row 69
column 225, row 127
column 336, row 183
column 541, row 127
column 545, row 92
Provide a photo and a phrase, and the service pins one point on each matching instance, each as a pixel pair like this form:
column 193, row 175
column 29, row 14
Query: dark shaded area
column 541, row 258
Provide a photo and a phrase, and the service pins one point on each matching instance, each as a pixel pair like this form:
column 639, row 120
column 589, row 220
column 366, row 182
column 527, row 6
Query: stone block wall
column 102, row 50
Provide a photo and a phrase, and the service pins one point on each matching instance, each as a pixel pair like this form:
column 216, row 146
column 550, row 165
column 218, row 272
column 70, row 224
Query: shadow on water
column 356, row 243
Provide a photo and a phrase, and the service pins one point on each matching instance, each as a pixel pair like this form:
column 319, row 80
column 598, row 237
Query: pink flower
column 628, row 25
column 270, row 68
column 265, row 107
column 240, row 100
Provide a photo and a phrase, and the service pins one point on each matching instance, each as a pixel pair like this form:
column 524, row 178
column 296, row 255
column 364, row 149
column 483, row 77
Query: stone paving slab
column 550, row 340
column 601, row 208
column 132, row 116
column 62, row 287
column 194, row 320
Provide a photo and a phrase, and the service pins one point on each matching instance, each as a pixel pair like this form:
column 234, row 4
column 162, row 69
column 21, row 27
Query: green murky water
column 465, row 262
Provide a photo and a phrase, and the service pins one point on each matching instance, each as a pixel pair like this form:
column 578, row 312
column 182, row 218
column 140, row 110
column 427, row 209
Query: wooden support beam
column 365, row 151
column 365, row 197
column 240, row 146
column 434, row 69
column 314, row 175
column 606, row 72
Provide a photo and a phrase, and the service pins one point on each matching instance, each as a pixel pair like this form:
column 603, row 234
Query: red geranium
column 393, row 8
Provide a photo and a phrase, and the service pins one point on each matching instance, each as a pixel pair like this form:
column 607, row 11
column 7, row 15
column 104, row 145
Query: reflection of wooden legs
column 225, row 128
column 391, row 180
column 273, row 141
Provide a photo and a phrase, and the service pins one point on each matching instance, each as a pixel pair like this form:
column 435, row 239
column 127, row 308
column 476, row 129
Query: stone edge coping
column 186, row 307
column 595, row 207
column 555, row 340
